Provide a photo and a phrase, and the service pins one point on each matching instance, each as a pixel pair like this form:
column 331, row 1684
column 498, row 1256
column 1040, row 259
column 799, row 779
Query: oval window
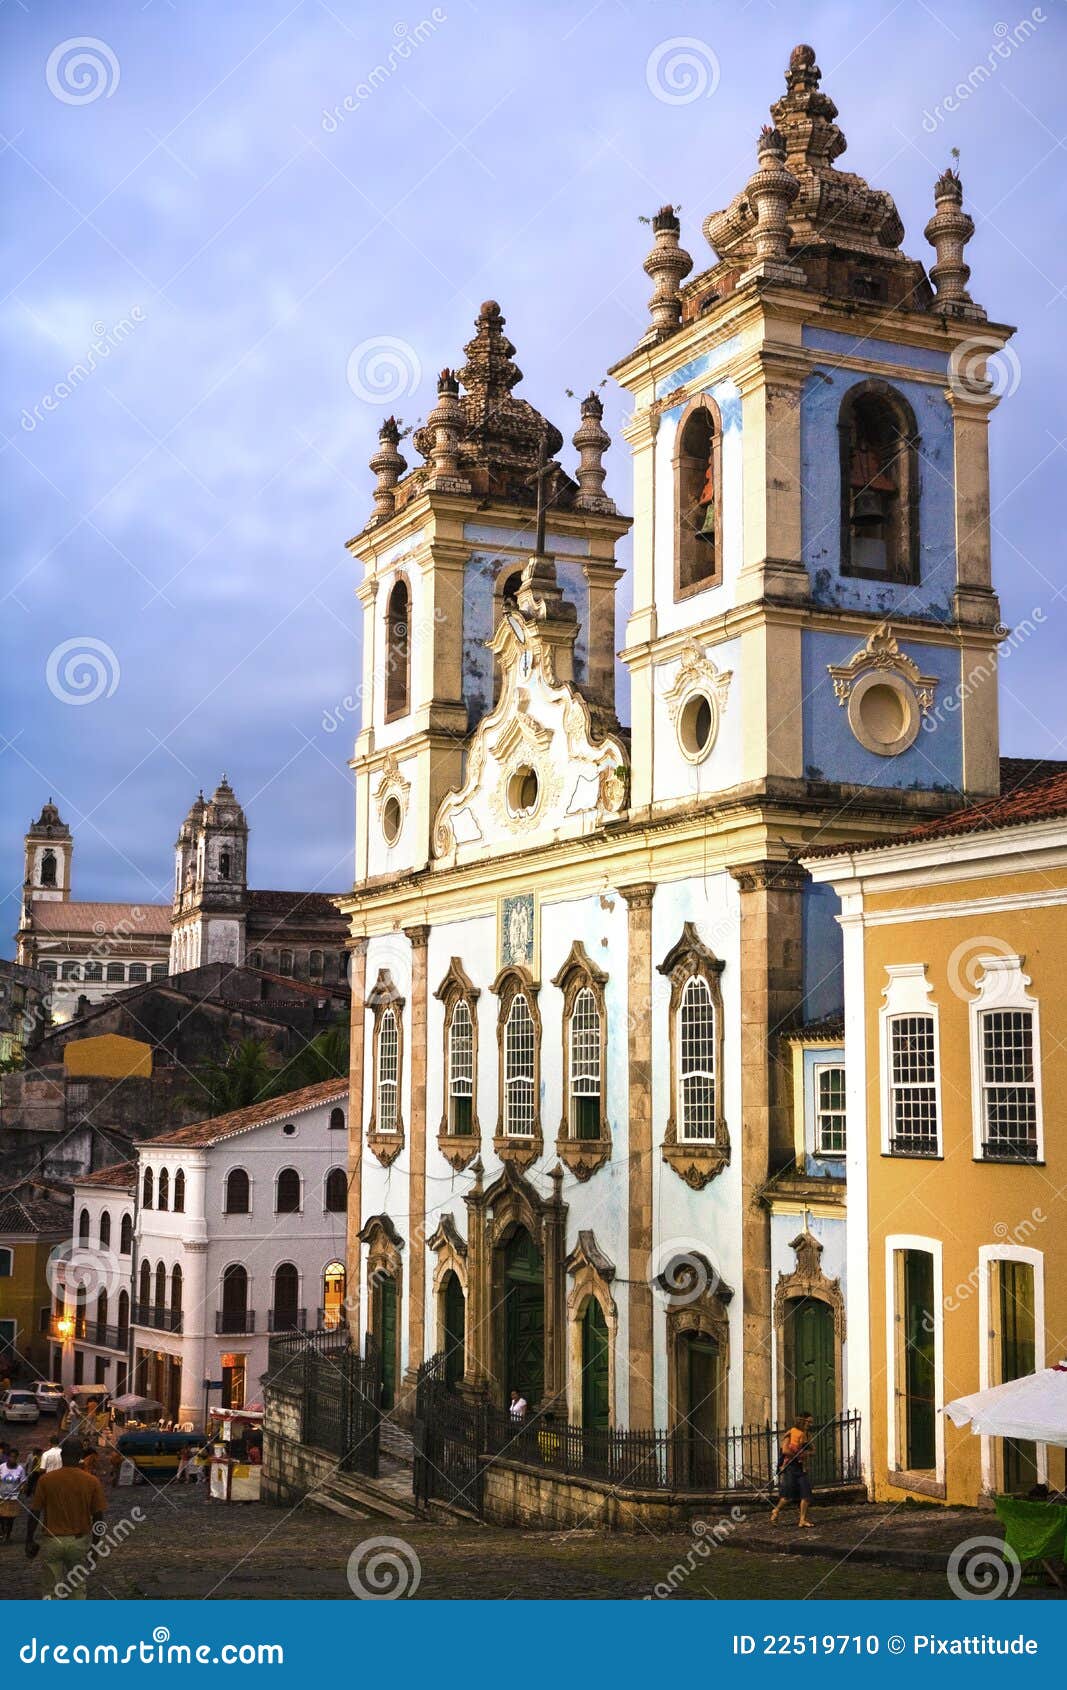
column 523, row 791
column 392, row 820
column 696, row 726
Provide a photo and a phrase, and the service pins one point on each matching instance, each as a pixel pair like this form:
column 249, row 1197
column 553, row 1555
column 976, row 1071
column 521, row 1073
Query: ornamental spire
column 667, row 265
column 388, row 465
column 948, row 232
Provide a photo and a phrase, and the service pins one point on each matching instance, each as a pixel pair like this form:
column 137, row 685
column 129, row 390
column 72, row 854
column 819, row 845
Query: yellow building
column 955, row 964
column 31, row 1224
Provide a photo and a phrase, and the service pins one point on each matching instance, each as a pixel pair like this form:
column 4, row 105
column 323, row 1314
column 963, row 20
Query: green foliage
column 246, row 1074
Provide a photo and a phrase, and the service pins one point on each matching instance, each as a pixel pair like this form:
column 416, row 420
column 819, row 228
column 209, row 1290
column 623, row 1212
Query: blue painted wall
column 934, row 762
column 483, row 569
column 819, row 1167
column 824, row 989
column 821, row 400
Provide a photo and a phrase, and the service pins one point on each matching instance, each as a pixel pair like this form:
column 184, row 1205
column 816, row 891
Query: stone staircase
column 388, row 1497
column 395, row 1442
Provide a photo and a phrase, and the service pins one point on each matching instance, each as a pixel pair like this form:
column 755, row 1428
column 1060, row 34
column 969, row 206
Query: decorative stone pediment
column 446, row 1236
column 536, row 767
column 588, row 1254
column 885, row 693
column 883, row 652
column 697, row 673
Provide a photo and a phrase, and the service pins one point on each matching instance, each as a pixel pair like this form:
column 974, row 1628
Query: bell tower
column 813, row 601
column 210, row 883
column 49, row 850
column 443, row 555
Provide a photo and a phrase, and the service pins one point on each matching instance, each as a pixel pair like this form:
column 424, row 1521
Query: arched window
column 116, row 971
column 519, row 1069
column 159, row 971
column 237, row 1193
column 287, row 1192
column 70, row 971
column 93, row 971
column 48, row 869
column 337, row 1120
column 285, row 1315
column 144, row 1291
column 315, row 964
column 160, row 1302
column 163, row 1190
column 698, row 500
column 105, row 1229
column 696, row 1062
column 83, row 1227
column 124, row 1316
column 256, row 959
column 224, row 865
column 333, row 1295
column 285, row 964
column 388, row 1072
column 176, row 1288
column 461, row 1069
column 179, row 1192
column 101, row 1318
column 336, row 1191
column 49, row 968
column 138, row 973
column 584, row 1066
column 233, row 1316
column 879, row 484
column 398, row 652
column 146, row 1189
column 126, row 1235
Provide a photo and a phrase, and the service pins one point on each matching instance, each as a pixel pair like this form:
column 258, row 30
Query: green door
column 920, row 1440
column 698, row 1365
column 811, row 1374
column 595, row 1394
column 1018, row 1356
column 524, row 1318
column 455, row 1330
column 387, row 1339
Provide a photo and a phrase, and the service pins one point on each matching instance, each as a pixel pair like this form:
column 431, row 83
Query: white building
column 101, row 1258
column 240, row 1232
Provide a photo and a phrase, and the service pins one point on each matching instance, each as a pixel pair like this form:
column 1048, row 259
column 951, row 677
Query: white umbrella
column 1033, row 1408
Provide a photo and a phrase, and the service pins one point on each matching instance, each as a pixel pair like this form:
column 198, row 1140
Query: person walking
column 12, row 1479
column 53, row 1455
column 794, row 1481
column 70, row 1505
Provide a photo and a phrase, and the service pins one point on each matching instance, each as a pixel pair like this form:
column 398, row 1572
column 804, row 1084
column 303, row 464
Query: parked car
column 49, row 1396
column 19, row 1405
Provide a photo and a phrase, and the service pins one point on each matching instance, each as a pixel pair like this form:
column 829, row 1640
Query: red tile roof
column 121, row 1176
column 256, row 1115
column 1032, row 800
column 135, row 921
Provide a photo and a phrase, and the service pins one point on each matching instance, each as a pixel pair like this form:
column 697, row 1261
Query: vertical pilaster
column 639, row 1149
column 975, row 600
column 772, row 989
column 476, row 1375
column 555, row 1291
column 770, row 386
column 418, row 937
column 357, row 974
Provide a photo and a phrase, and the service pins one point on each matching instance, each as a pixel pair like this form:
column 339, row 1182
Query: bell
column 706, row 526
column 868, row 514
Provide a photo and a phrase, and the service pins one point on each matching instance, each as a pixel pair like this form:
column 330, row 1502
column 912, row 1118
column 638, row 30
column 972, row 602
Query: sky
column 233, row 247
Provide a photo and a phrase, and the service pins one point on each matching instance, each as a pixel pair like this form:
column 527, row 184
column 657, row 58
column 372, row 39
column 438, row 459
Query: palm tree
column 325, row 1057
column 243, row 1076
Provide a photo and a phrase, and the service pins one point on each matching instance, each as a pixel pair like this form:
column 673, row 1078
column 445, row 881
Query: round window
column 392, row 819
column 523, row 791
column 289, row 1129
column 696, row 726
column 883, row 713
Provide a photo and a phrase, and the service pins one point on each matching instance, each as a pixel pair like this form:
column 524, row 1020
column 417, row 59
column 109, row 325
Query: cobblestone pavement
column 187, row 1546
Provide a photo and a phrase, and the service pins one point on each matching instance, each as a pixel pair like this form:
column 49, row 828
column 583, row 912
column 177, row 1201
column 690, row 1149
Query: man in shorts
column 794, row 1481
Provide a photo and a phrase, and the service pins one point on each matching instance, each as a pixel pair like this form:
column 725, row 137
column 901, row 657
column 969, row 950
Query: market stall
column 235, row 1436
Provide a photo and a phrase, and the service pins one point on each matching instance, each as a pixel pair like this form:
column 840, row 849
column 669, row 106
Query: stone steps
column 387, row 1497
column 396, row 1442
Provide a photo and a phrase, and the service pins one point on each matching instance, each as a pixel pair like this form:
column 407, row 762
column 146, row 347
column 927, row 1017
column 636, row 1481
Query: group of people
column 55, row 1488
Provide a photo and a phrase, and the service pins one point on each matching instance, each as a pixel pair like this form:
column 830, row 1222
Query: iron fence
column 339, row 1391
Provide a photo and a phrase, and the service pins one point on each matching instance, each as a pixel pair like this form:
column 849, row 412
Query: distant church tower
column 49, row 849
column 210, row 883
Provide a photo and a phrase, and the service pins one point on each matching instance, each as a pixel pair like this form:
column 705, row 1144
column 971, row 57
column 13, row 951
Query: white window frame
column 516, row 1084
column 1002, row 985
column 578, row 1084
column 907, row 992
column 817, row 1069
column 988, row 1256
column 465, row 1079
column 389, row 1016
column 901, row 1241
column 709, row 1072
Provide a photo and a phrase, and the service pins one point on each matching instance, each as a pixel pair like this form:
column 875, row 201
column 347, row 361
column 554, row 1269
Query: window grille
column 519, row 1070
column 461, row 1070
column 913, row 1086
column 585, row 1066
column 388, row 1073
column 696, row 1065
column 1009, row 1089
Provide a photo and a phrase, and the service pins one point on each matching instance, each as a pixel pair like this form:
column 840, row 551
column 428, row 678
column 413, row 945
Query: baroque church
column 597, row 1129
column 91, row 950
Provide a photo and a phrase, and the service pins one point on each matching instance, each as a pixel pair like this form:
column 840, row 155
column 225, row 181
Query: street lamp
column 65, row 1327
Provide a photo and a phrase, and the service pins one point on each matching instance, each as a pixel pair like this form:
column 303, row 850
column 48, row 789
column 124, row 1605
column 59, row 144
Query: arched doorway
column 385, row 1329
column 596, row 1389
column 811, row 1372
column 524, row 1318
column 454, row 1312
column 698, row 1365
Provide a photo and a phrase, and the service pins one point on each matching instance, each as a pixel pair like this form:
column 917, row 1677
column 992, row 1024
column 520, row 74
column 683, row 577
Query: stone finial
column 803, row 72
column 388, row 465
column 948, row 232
column 666, row 265
column 489, row 373
column 445, row 424
column 591, row 440
column 771, row 190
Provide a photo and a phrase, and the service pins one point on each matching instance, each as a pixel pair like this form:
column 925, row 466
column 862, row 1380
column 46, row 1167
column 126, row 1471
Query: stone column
column 476, row 1374
column 772, row 990
column 357, row 974
column 975, row 600
column 419, row 937
column 771, row 385
column 555, row 1221
column 641, row 1409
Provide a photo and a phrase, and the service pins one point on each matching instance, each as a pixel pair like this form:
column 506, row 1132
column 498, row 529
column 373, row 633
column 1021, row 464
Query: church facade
column 597, row 1095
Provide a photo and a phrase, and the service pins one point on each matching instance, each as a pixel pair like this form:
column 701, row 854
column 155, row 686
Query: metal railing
column 1009, row 1150
column 339, row 1392
column 153, row 1314
column 230, row 1321
column 287, row 1320
column 914, row 1144
column 105, row 1337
